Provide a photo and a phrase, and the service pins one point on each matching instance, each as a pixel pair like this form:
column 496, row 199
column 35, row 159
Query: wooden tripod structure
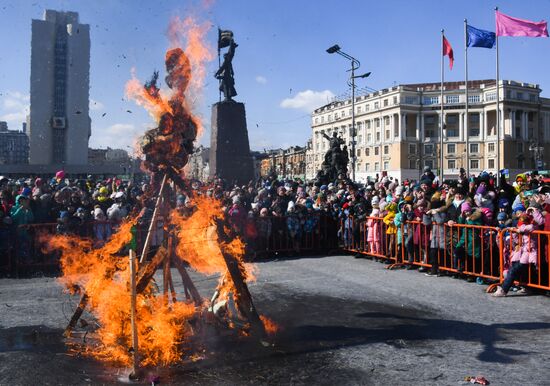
column 165, row 257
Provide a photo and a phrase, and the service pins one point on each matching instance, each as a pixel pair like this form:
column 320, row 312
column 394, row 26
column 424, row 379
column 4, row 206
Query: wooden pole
column 77, row 314
column 153, row 221
column 243, row 297
column 135, row 358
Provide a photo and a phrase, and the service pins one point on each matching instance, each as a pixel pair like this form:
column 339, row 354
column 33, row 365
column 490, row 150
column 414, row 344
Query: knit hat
column 503, row 203
column 501, row 216
column 375, row 200
column 436, row 196
column 466, row 207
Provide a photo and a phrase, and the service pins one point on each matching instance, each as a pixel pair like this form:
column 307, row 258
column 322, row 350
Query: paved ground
column 346, row 321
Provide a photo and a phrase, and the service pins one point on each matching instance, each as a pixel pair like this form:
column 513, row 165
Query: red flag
column 448, row 51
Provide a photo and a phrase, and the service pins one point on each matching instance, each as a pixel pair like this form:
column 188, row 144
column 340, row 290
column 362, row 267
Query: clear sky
column 282, row 71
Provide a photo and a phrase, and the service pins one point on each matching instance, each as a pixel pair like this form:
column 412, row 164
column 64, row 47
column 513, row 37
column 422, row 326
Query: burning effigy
column 138, row 321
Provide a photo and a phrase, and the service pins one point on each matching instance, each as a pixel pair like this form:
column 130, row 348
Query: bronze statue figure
column 335, row 161
column 225, row 73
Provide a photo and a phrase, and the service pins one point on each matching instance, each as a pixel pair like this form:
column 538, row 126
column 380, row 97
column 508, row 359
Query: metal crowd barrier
column 25, row 253
column 474, row 251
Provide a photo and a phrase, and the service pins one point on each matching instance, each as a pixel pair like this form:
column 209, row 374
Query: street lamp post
column 355, row 64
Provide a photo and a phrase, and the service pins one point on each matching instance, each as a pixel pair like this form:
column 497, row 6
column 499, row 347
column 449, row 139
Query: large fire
column 203, row 240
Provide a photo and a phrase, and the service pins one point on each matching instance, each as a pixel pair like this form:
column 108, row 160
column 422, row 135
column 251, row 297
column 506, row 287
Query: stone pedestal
column 230, row 157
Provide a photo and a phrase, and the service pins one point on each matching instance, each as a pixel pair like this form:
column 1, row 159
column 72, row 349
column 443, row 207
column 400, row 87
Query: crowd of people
column 381, row 213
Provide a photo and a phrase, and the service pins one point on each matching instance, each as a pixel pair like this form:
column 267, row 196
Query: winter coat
column 525, row 251
column 437, row 236
column 389, row 221
column 470, row 238
column 373, row 227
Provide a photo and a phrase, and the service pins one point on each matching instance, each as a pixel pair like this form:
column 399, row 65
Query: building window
column 336, row 117
column 376, row 105
column 474, row 164
column 429, row 163
column 316, row 120
column 521, row 164
column 377, row 166
column 452, row 119
column 377, row 122
column 396, row 131
column 412, row 148
column 330, row 118
column 376, row 150
column 386, row 165
column 385, row 102
column 474, row 148
column 474, row 131
column 431, row 100
column 491, row 147
column 386, row 149
column 368, row 125
column 451, row 149
column 323, row 119
column 395, row 100
column 387, row 134
column 412, row 164
column 358, row 109
column 369, row 138
column 453, row 133
column 430, row 119
column 520, row 147
column 343, row 113
column 451, row 164
column 491, row 96
column 358, row 152
column 367, row 151
column 519, row 96
column 386, row 121
column 532, row 98
column 474, row 118
column 377, row 136
column 410, row 100
column 491, row 163
column 367, row 167
column 428, row 148
column 474, row 99
column 452, row 99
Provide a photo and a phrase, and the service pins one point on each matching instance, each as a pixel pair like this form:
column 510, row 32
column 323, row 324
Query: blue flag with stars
column 479, row 38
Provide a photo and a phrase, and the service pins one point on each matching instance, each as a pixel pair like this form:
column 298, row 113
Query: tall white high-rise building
column 59, row 121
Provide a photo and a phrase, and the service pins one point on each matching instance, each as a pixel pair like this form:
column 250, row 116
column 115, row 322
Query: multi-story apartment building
column 398, row 129
column 14, row 146
column 59, row 121
column 287, row 163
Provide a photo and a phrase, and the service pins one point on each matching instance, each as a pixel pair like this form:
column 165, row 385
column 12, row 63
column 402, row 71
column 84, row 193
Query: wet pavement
column 344, row 321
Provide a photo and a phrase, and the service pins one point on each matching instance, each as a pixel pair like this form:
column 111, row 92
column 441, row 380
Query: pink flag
column 512, row 26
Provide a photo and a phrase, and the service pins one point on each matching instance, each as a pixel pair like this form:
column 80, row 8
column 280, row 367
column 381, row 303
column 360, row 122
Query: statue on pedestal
column 225, row 73
column 335, row 161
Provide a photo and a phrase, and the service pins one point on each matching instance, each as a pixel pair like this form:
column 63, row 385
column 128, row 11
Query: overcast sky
column 282, row 71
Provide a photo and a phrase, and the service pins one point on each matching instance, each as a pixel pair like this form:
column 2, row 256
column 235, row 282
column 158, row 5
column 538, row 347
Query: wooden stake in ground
column 153, row 221
column 135, row 357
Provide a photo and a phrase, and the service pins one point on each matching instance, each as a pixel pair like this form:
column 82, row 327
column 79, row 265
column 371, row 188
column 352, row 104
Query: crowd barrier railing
column 25, row 252
column 531, row 250
column 459, row 249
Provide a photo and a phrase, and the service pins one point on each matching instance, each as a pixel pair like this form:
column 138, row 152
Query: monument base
column 230, row 157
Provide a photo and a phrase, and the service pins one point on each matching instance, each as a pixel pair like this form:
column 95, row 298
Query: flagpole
column 467, row 119
column 498, row 108
column 441, row 117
